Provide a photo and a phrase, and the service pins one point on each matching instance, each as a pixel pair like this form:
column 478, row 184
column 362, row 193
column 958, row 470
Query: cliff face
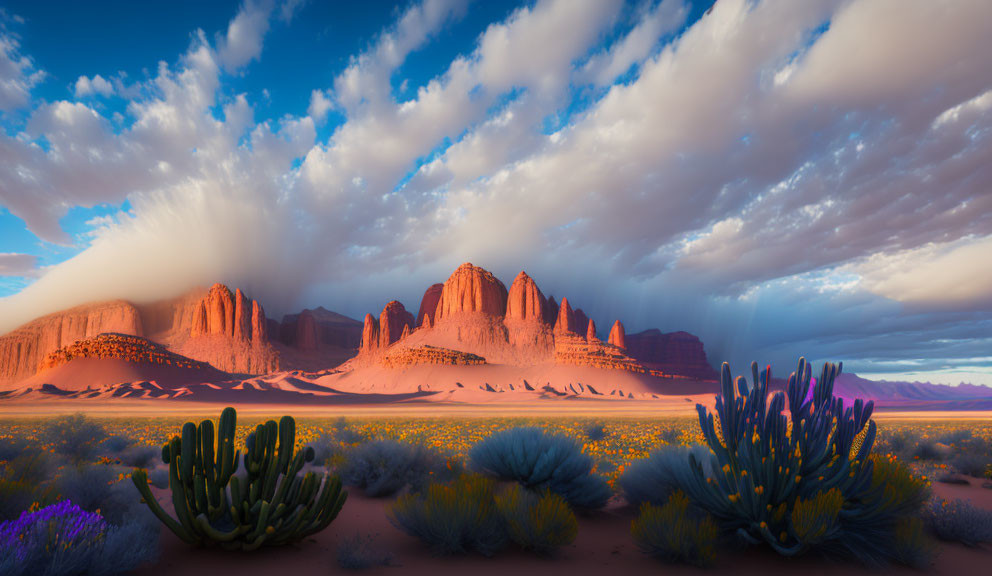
column 319, row 328
column 675, row 353
column 428, row 305
column 470, row 290
column 22, row 350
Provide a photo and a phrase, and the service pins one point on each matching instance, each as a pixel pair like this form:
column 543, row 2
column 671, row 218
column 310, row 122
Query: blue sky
column 779, row 178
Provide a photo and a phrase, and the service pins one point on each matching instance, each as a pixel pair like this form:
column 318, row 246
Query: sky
column 780, row 178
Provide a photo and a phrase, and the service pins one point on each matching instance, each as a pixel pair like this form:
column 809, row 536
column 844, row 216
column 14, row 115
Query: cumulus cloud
column 90, row 86
column 780, row 178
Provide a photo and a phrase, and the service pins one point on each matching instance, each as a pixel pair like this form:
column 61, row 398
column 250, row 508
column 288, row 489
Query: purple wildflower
column 60, row 526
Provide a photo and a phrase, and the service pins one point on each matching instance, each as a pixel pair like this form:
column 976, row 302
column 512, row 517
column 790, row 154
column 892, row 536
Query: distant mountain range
column 473, row 341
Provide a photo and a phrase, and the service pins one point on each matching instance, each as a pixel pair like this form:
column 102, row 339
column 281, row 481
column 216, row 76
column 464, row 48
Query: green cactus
column 270, row 506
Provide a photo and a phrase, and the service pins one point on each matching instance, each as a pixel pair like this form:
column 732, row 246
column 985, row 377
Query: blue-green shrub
column 655, row 478
column 959, row 521
column 384, row 467
column 539, row 460
column 75, row 436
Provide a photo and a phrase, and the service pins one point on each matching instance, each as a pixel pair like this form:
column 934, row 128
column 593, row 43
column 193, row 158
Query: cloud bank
column 780, row 178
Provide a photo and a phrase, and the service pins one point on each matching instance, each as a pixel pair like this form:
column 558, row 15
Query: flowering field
column 929, row 447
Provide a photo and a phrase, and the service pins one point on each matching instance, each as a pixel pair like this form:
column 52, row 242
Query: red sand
column 603, row 546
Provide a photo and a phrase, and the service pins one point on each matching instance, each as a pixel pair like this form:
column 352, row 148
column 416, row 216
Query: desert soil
column 603, row 547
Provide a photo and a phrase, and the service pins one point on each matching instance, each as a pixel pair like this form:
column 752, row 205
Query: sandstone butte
column 475, row 314
column 225, row 329
column 617, row 336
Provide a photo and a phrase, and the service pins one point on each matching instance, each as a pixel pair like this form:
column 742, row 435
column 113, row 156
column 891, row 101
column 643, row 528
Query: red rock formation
column 227, row 330
column 591, row 332
column 306, row 331
column 259, row 324
column 393, row 319
column 579, row 321
column 22, row 350
column 577, row 351
column 675, row 353
column 242, row 316
column 428, row 305
column 469, row 290
column 406, row 331
column 525, row 324
column 525, row 301
column 129, row 348
column 566, row 319
column 617, row 336
column 551, row 311
column 370, row 334
column 331, row 330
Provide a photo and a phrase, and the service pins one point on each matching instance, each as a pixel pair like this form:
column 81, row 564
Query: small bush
column 955, row 437
column 539, row 461
column 159, row 477
column 653, row 479
column 673, row 534
column 541, row 524
column 75, row 436
column 912, row 545
column 459, row 518
column 22, row 483
column 11, row 448
column 384, row 467
column 595, row 432
column 927, row 450
column 959, row 521
column 114, row 444
column 972, row 464
column 140, row 456
column 360, row 553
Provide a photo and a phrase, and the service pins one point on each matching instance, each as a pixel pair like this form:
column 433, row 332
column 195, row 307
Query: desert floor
column 603, row 547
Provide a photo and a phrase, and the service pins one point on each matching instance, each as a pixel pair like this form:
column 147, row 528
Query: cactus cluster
column 270, row 504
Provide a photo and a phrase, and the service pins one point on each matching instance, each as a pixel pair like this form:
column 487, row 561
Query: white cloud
column 90, row 86
column 320, row 105
column 17, row 74
column 243, row 41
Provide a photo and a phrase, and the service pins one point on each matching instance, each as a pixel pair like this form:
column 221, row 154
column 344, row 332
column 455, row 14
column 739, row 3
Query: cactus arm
column 139, row 477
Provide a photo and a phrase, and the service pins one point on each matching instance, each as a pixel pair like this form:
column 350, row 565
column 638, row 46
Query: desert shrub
column 971, row 462
column 911, row 544
column 927, row 449
column 653, row 479
column 955, row 437
column 538, row 523
column 11, row 448
column 594, row 431
column 384, row 467
column 159, row 477
column 898, row 442
column 101, row 488
column 114, row 444
column 539, row 460
column 63, row 539
column 456, row 518
column 140, row 456
column 959, row 521
column 803, row 482
column 674, row 533
column 22, row 483
column 360, row 553
column 75, row 436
